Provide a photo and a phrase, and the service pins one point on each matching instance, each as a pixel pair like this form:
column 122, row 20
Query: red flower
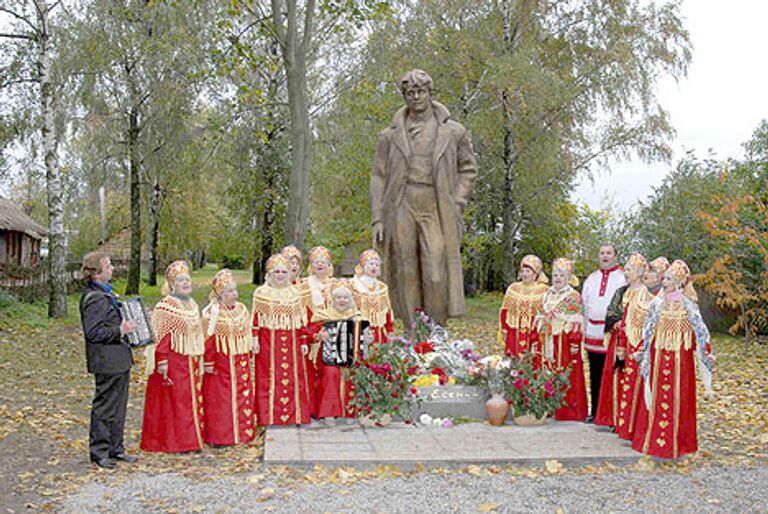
column 394, row 394
column 423, row 347
column 396, row 407
column 518, row 384
column 444, row 378
column 412, row 370
column 414, row 390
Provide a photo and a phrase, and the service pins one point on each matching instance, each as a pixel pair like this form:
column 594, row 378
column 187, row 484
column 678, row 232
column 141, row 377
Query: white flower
column 425, row 419
column 437, row 422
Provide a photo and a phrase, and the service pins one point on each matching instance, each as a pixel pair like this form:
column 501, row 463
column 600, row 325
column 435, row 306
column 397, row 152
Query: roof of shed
column 13, row 218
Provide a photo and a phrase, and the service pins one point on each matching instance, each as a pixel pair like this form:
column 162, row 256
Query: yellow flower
column 426, row 380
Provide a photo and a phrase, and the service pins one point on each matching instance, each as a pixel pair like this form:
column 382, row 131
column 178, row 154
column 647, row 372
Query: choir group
column 640, row 326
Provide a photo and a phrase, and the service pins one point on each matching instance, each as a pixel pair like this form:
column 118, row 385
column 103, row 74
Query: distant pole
column 103, row 212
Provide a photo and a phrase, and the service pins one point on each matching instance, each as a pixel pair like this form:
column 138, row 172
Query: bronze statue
column 422, row 177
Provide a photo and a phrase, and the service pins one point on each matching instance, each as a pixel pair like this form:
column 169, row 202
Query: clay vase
column 497, row 408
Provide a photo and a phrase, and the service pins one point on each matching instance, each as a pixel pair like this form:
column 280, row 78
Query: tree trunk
column 134, row 261
column 301, row 157
column 57, row 252
column 155, row 205
column 295, row 48
column 512, row 39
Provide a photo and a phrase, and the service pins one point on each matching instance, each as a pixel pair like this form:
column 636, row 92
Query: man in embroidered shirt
column 596, row 294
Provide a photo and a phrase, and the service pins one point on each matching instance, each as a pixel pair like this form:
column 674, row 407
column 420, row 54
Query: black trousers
column 596, row 363
column 110, row 402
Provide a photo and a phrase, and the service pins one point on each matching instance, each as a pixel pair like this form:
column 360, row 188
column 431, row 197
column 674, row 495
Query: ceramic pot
column 497, row 408
column 529, row 420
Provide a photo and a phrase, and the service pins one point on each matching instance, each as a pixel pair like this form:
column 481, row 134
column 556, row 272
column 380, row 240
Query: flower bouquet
column 491, row 372
column 382, row 383
column 441, row 360
column 535, row 393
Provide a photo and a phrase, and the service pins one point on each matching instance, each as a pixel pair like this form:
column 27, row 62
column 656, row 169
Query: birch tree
column 31, row 27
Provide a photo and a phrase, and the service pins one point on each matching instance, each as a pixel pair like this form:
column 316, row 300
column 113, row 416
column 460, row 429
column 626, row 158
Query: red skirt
column 228, row 400
column 282, row 379
column 521, row 342
column 607, row 407
column 334, row 392
column 667, row 428
column 575, row 403
column 173, row 412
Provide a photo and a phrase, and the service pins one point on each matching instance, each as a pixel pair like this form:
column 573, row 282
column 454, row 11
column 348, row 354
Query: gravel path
column 704, row 490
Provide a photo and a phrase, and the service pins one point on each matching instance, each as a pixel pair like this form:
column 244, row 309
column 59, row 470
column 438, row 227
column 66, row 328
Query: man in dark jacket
column 109, row 358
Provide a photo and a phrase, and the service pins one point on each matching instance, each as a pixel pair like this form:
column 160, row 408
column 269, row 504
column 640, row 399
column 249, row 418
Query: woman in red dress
column 228, row 381
column 674, row 334
column 372, row 296
column 559, row 322
column 173, row 406
column 518, row 311
column 280, row 318
column 611, row 395
column 334, row 383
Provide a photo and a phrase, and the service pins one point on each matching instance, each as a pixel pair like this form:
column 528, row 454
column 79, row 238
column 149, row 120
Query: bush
column 232, row 261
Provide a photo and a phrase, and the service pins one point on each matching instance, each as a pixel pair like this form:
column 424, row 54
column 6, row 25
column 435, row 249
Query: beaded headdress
column 567, row 266
column 173, row 270
column 637, row 262
column 365, row 257
column 535, row 264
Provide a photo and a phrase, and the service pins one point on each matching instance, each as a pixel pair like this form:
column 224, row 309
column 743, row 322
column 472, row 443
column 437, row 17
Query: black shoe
column 104, row 463
column 590, row 419
column 124, row 457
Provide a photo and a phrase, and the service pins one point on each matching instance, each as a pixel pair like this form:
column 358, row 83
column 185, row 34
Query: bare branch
column 17, row 36
column 309, row 17
column 277, row 22
column 20, row 18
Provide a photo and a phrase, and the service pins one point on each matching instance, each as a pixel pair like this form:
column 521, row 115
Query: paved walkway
column 472, row 443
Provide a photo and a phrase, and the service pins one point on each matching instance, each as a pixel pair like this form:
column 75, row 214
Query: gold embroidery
column 373, row 303
column 233, row 329
column 673, row 330
column 521, row 302
column 182, row 321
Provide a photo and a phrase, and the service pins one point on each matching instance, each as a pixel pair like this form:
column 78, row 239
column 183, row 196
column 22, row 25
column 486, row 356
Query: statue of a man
column 423, row 174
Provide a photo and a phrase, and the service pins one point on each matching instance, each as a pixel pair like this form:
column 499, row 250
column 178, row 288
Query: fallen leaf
column 488, row 507
column 553, row 466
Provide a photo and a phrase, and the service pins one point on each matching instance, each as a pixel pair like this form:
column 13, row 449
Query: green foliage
column 232, row 261
column 668, row 223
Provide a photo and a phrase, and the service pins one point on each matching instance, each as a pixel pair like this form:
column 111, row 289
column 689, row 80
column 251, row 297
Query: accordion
column 346, row 344
column 133, row 309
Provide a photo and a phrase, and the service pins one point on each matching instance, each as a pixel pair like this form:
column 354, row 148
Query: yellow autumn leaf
column 553, row 466
column 488, row 507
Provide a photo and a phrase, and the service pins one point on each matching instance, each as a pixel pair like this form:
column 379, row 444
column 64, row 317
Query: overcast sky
column 717, row 106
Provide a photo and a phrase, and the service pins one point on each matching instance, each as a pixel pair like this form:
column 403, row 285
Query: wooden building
column 20, row 238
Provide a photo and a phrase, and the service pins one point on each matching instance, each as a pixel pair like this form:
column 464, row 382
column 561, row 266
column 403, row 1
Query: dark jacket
column 106, row 351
